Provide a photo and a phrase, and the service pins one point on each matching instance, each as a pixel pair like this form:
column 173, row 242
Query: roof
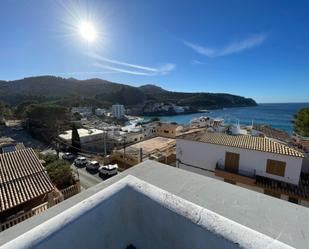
column 11, row 147
column 67, row 135
column 150, row 146
column 244, row 142
column 22, row 178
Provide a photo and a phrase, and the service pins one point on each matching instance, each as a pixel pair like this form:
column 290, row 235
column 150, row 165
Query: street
column 87, row 179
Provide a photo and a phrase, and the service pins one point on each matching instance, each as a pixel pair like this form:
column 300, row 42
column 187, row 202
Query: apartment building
column 257, row 163
column 118, row 111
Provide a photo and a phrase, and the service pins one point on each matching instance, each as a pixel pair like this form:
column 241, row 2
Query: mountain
column 70, row 92
column 152, row 89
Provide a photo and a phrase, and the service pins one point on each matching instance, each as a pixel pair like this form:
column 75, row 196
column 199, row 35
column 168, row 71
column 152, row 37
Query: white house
column 255, row 161
column 118, row 111
column 100, row 112
column 83, row 111
column 248, row 154
column 86, row 135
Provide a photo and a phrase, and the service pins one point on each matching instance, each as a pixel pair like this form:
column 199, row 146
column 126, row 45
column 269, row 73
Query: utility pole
column 124, row 146
column 140, row 155
column 105, row 135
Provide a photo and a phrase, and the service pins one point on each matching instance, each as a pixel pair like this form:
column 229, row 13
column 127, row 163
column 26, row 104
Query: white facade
column 100, row 112
column 118, row 110
column 205, row 156
column 86, row 135
column 83, row 111
column 132, row 137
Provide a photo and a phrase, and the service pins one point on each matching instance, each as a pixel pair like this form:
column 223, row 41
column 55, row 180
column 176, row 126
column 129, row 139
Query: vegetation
column 45, row 114
column 301, row 122
column 60, row 173
column 76, row 146
column 100, row 93
column 48, row 158
column 5, row 110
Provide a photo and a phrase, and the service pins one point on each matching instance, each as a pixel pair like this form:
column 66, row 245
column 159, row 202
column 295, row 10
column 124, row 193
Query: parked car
column 80, row 162
column 68, row 156
column 93, row 166
column 108, row 170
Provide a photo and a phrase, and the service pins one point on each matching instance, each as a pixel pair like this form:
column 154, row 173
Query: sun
column 88, row 31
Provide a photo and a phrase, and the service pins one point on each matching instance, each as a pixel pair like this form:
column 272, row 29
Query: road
column 87, row 180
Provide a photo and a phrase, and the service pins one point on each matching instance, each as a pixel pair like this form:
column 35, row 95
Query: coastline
column 276, row 115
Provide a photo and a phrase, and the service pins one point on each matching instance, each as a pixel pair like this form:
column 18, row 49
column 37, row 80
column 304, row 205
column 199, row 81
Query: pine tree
column 76, row 146
column 301, row 122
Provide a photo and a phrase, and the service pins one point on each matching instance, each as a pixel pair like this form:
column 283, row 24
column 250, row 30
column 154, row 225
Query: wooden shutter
column 231, row 161
column 275, row 167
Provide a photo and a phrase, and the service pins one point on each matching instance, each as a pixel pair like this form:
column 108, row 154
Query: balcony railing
column 240, row 172
column 34, row 211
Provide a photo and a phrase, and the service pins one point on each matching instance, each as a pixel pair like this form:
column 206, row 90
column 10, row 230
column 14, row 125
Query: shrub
column 60, row 173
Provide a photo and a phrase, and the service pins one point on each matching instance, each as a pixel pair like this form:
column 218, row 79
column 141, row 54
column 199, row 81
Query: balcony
column 156, row 206
column 241, row 176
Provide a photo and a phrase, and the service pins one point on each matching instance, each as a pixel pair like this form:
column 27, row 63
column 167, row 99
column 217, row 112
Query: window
column 165, row 131
column 275, row 167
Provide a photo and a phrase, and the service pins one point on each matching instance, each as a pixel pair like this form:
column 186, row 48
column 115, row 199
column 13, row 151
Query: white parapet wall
column 132, row 211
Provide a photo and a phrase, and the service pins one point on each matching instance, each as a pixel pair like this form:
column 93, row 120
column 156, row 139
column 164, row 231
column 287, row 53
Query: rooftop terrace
column 190, row 210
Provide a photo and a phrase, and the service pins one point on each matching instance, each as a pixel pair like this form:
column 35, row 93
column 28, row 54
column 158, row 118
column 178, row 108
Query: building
column 8, row 144
column 158, row 148
column 83, row 111
column 24, row 185
column 91, row 140
column 118, row 111
column 14, row 124
column 260, row 164
column 149, row 129
column 100, row 112
column 168, row 129
column 154, row 206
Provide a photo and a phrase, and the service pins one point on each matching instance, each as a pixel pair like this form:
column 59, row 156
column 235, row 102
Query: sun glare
column 88, row 31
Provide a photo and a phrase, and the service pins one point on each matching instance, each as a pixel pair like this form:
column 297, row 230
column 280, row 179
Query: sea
column 276, row 115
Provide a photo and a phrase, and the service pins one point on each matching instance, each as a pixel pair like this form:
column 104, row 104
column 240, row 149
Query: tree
column 46, row 114
column 301, row 122
column 60, row 173
column 76, row 146
column 48, row 157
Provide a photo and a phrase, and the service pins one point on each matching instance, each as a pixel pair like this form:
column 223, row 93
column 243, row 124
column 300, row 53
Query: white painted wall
column 206, row 156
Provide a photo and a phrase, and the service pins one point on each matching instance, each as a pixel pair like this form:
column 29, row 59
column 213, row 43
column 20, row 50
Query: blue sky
column 257, row 49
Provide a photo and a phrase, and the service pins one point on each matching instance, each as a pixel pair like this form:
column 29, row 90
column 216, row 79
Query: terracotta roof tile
column 22, row 178
column 244, row 142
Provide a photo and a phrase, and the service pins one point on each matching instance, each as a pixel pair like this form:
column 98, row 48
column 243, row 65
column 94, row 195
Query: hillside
column 69, row 92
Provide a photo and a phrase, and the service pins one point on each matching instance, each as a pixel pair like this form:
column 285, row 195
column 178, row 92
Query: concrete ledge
column 144, row 215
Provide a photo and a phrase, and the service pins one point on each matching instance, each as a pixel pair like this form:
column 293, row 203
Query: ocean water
column 276, row 115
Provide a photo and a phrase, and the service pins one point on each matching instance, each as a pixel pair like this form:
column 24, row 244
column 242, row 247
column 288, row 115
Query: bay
column 276, row 115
